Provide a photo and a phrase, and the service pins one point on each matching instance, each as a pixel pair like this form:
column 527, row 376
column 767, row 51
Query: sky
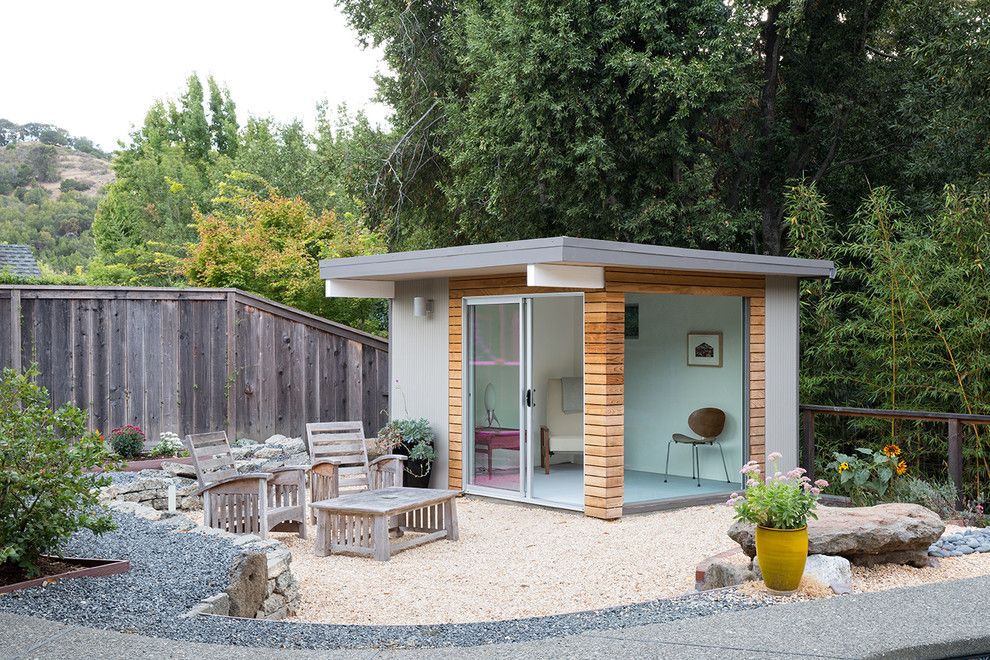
column 95, row 67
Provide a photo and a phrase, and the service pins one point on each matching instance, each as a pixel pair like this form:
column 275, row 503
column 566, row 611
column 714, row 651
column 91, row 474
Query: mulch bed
column 49, row 566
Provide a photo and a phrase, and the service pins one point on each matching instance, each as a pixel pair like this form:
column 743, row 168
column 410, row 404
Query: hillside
column 37, row 165
column 50, row 184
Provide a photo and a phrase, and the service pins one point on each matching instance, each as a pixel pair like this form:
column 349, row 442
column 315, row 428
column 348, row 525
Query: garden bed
column 54, row 569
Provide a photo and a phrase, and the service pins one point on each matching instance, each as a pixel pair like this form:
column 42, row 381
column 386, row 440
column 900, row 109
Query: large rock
column 834, row 572
column 248, row 584
column 866, row 536
column 179, row 470
column 724, row 573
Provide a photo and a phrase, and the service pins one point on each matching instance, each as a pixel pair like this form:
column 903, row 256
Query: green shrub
column 47, row 487
column 940, row 497
column 74, row 184
column 127, row 440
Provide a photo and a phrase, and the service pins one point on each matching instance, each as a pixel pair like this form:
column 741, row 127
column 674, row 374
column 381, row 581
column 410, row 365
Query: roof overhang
column 515, row 256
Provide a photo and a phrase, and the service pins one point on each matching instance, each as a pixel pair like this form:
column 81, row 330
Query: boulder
column 248, row 584
column 724, row 573
column 833, row 572
column 866, row 536
column 179, row 470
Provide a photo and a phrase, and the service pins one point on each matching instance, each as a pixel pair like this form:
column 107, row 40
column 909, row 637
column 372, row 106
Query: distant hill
column 50, row 184
column 11, row 133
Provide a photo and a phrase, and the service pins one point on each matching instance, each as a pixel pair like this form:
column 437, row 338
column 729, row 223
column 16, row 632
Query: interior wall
column 419, row 381
column 558, row 352
column 661, row 390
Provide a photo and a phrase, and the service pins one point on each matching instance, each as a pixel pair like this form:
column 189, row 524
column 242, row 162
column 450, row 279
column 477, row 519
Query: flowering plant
column 127, row 440
column 868, row 475
column 781, row 501
column 169, row 446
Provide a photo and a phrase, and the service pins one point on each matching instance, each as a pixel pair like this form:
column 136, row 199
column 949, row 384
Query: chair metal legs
column 696, row 463
column 666, row 467
column 724, row 466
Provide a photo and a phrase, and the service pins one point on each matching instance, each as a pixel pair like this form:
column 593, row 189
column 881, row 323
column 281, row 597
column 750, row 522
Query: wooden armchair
column 246, row 503
column 338, row 454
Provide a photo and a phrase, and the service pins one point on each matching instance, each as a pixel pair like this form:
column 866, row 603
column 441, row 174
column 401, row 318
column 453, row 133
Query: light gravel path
column 514, row 561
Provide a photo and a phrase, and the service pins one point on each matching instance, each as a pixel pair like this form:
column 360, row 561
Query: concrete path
column 941, row 621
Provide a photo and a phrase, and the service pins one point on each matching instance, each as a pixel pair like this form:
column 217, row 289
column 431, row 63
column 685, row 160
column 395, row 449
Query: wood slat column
column 455, row 443
column 604, row 357
column 757, row 379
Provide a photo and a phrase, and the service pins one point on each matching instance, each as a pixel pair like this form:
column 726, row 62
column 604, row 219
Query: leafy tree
column 193, row 128
column 265, row 243
column 223, row 119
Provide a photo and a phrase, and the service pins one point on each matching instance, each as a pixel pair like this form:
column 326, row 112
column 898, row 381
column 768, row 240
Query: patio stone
column 866, row 536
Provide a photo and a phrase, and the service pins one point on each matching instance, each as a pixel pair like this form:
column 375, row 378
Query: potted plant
column 779, row 506
column 412, row 438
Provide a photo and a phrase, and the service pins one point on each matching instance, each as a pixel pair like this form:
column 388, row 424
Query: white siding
column 782, row 323
column 418, row 354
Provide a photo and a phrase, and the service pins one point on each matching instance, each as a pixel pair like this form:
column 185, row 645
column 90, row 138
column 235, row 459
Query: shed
column 563, row 371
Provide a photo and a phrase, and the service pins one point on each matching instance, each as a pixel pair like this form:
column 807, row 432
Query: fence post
column 231, row 355
column 955, row 459
column 808, row 442
column 15, row 329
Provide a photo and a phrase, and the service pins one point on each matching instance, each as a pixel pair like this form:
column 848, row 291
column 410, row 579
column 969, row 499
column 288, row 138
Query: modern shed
column 559, row 370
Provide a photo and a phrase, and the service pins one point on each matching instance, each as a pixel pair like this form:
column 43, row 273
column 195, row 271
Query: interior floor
column 648, row 486
column 565, row 485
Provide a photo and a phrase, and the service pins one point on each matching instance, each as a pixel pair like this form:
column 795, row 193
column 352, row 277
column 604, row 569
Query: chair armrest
column 290, row 468
column 388, row 457
column 247, row 476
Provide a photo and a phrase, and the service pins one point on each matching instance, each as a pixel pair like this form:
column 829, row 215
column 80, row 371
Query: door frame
column 526, row 433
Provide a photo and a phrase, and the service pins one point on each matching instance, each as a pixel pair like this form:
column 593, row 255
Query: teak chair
column 246, row 503
column 338, row 453
column 708, row 423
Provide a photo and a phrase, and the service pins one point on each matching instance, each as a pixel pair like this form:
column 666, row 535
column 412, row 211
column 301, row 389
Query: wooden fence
column 193, row 360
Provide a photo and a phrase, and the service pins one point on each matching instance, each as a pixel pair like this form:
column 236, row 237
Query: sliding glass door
column 496, row 411
column 523, row 428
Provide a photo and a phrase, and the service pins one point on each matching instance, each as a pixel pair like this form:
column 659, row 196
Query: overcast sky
column 95, row 67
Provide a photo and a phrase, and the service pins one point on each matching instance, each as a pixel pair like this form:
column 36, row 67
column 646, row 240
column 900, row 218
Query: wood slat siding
column 193, row 360
column 604, row 362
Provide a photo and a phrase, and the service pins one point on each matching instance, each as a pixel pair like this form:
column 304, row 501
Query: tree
column 265, row 243
column 193, row 128
column 223, row 119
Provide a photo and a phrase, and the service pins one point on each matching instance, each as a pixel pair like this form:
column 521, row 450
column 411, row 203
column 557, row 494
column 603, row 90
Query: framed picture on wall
column 704, row 349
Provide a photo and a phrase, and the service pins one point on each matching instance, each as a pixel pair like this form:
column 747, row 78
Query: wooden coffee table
column 359, row 523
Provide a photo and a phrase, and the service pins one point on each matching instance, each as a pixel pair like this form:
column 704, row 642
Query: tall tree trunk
column 769, row 175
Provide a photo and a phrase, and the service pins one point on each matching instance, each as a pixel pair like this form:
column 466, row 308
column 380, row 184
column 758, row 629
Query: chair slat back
column 344, row 444
column 211, row 457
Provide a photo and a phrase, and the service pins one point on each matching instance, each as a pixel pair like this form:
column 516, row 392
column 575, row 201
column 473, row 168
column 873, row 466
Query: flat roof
column 513, row 257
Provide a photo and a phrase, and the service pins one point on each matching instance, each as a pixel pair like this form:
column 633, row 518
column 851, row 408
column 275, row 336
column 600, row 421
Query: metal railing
column 954, row 421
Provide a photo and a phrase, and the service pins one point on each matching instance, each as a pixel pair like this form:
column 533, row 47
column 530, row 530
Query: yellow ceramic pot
column 782, row 554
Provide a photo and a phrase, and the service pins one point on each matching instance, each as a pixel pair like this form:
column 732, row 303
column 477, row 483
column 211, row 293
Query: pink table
column 492, row 439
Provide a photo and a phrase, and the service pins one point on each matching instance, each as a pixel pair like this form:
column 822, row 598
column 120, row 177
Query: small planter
column 87, row 568
column 417, row 474
column 782, row 554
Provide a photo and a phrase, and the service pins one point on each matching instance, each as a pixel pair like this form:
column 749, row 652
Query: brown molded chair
column 708, row 423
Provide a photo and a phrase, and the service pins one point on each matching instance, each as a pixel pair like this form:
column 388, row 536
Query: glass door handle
column 530, row 399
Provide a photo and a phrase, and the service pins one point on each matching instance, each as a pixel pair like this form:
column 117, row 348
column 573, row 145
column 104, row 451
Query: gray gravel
column 172, row 571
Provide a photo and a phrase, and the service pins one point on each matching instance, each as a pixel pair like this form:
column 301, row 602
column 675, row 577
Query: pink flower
column 821, row 483
column 816, row 491
column 795, row 473
column 775, row 456
column 752, row 466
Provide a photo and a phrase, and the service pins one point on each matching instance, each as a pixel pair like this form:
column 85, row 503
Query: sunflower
column 891, row 450
column 901, row 467
column 843, row 467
